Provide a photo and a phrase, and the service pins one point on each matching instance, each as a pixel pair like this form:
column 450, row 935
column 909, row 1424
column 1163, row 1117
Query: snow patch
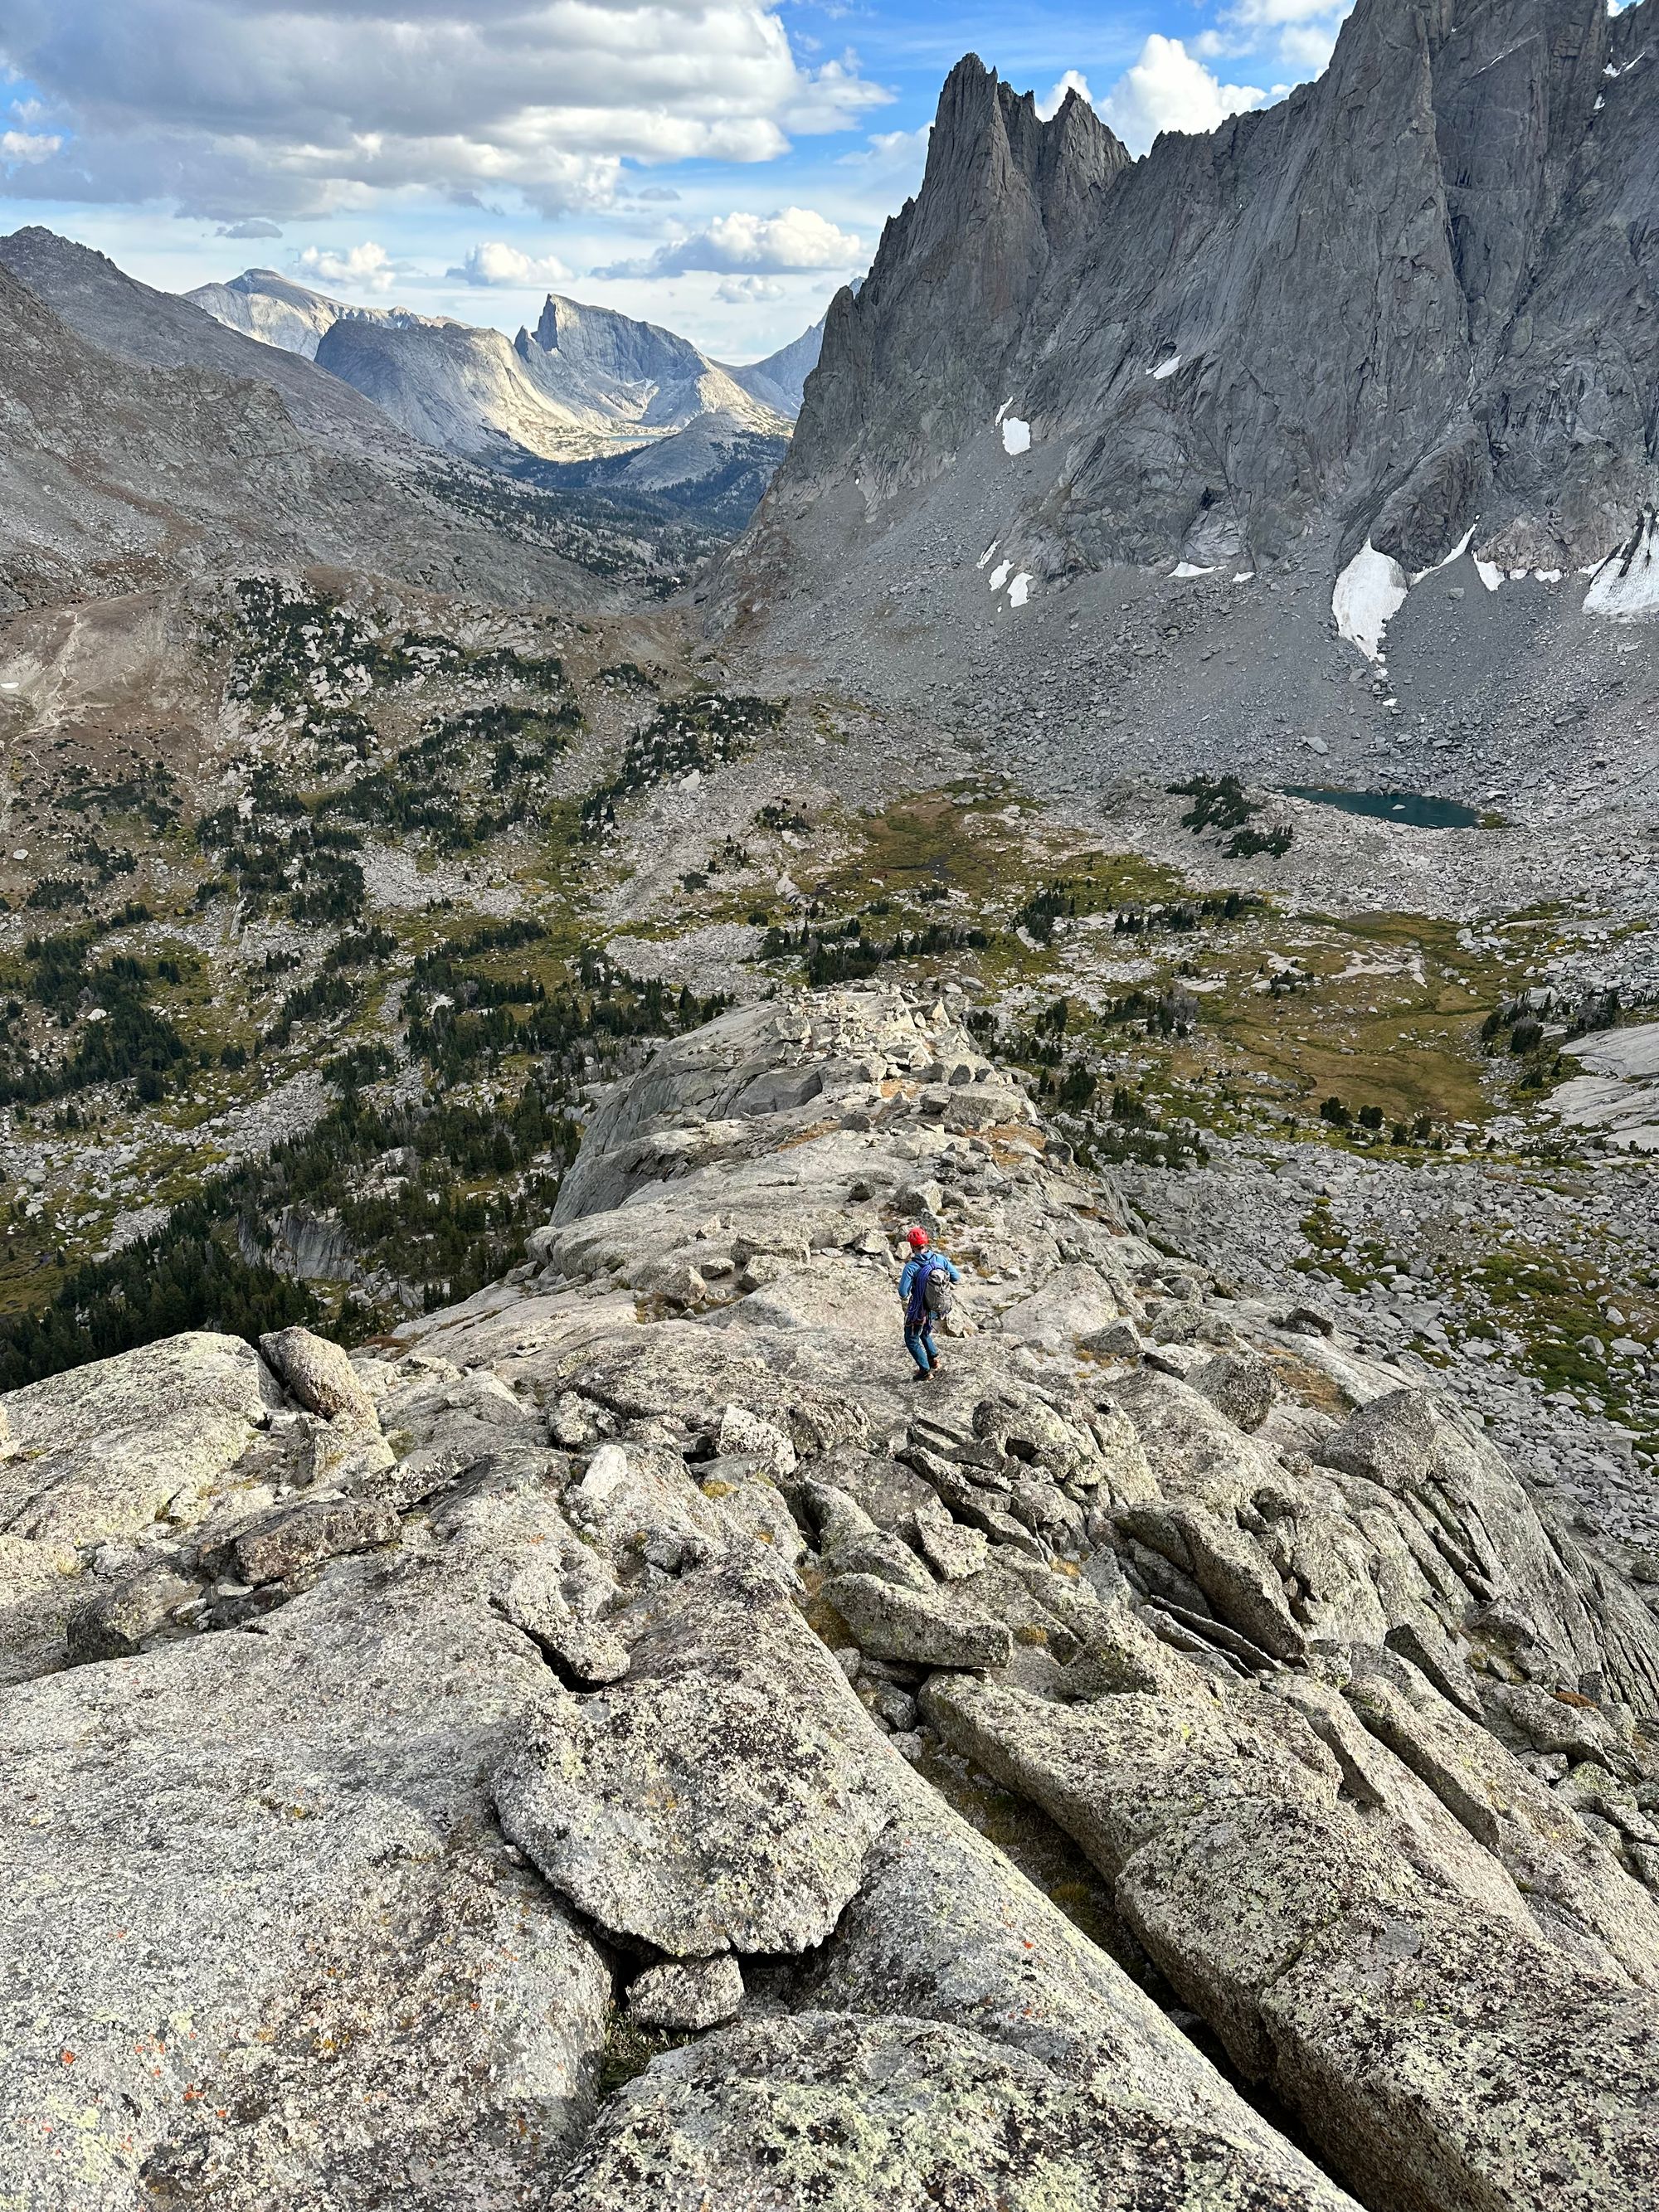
column 1186, row 568
column 1489, row 573
column 1002, row 410
column 1245, row 576
column 1626, row 587
column 1369, row 591
column 986, row 554
column 999, row 575
column 1166, row 368
column 1446, row 559
column 1020, row 590
column 1546, row 575
column 1016, row 435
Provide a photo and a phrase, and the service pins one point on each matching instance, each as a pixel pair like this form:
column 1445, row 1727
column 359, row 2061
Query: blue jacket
column 907, row 1282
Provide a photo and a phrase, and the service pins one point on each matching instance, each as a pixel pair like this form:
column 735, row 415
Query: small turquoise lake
column 1412, row 810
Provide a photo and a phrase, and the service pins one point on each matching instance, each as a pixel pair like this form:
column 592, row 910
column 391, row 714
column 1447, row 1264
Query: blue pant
column 919, row 1343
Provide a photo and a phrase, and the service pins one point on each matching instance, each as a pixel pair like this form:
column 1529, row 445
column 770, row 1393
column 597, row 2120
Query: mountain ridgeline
column 589, row 397
column 1414, row 299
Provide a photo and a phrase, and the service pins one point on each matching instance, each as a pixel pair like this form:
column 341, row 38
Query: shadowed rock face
column 1414, row 298
column 393, row 1743
column 953, row 283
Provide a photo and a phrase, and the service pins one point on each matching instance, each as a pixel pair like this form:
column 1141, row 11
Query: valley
column 536, row 875
column 308, row 1021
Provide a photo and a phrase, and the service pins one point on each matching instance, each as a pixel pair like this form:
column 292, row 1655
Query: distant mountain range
column 142, row 442
column 589, row 396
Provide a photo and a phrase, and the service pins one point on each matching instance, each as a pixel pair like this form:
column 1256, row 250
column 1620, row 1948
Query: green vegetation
column 693, row 733
column 188, row 1275
column 149, row 794
column 629, row 2048
column 1059, row 1047
column 425, row 788
column 1220, row 803
column 275, row 856
column 436, row 1196
column 1548, row 1308
column 465, row 780
column 121, row 1035
column 840, row 952
column 1179, row 917
column 291, row 650
column 939, row 842
column 1380, row 1010
column 1556, row 1306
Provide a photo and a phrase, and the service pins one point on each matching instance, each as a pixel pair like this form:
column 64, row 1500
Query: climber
column 924, row 1289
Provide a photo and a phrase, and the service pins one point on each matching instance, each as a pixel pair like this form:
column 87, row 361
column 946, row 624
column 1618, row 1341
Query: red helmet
column 917, row 1239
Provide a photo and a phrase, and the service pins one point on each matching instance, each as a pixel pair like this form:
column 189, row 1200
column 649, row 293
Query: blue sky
column 720, row 166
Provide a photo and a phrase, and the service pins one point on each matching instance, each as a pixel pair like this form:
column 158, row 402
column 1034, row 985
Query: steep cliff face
column 912, row 365
column 1416, row 298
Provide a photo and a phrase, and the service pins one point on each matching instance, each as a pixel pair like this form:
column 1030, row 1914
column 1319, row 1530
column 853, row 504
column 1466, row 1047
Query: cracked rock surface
column 626, row 1744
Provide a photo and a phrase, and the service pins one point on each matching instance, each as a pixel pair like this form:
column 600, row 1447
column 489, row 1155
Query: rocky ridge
column 605, row 1667
column 1326, row 431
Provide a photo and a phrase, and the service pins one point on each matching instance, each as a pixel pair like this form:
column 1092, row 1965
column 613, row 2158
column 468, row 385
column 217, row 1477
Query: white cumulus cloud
column 27, row 145
column 493, row 262
column 1301, row 32
column 365, row 268
column 891, row 153
column 1270, row 14
column 792, row 241
column 750, row 291
column 230, row 108
column 1306, row 47
column 1170, row 89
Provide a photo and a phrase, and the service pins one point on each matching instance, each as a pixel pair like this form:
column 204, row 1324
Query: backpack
column 939, row 1292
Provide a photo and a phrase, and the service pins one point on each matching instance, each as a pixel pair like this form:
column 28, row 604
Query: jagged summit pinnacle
column 988, row 141
column 1002, row 194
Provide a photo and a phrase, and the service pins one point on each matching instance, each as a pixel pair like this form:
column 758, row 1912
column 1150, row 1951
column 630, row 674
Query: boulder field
column 625, row 1744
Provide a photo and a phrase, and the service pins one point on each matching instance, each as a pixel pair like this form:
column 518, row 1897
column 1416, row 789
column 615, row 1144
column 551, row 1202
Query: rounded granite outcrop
column 626, row 1744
